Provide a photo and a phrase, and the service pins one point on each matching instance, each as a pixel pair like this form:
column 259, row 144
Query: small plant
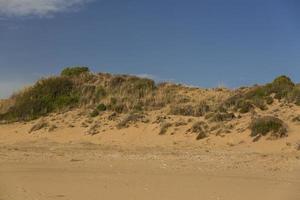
column 94, row 113
column 244, row 106
column 268, row 124
column 201, row 129
column 220, row 117
column 74, row 71
column 269, row 100
column 190, row 110
column 101, row 107
column 129, row 119
column 164, row 128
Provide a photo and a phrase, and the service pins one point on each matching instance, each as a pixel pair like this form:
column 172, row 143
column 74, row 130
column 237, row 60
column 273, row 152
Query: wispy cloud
column 41, row 8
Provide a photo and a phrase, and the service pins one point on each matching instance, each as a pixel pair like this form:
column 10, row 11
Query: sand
column 137, row 163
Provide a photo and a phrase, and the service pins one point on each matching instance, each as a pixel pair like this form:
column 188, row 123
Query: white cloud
column 41, row 8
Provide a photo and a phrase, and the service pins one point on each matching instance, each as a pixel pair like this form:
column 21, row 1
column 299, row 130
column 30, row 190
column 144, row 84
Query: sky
column 205, row 43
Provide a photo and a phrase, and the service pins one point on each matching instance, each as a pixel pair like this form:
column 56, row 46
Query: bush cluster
column 45, row 96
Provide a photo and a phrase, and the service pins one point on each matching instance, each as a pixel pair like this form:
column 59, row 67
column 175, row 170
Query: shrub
column 100, row 92
column 46, row 96
column 294, row 95
column 244, row 106
column 260, row 103
column 189, row 110
column 264, row 125
column 129, row 119
column 185, row 110
column 101, row 107
column 219, row 117
column 164, row 128
column 94, row 113
column 269, row 100
column 201, row 129
column 74, row 71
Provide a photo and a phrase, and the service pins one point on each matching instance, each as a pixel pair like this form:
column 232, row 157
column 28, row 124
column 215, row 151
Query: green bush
column 281, row 86
column 294, row 95
column 45, row 96
column 74, row 71
column 264, row 125
column 101, row 107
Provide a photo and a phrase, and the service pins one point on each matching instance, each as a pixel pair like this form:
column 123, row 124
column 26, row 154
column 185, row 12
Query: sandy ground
column 137, row 163
column 48, row 170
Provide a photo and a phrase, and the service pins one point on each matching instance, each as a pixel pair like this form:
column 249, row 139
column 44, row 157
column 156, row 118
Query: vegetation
column 46, row 96
column 164, row 128
column 132, row 117
column 282, row 88
column 268, row 124
column 201, row 129
column 74, row 71
column 190, row 110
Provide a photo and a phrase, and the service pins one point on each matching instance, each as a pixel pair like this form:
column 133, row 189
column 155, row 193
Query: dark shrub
column 101, row 107
column 45, row 96
column 244, row 106
column 219, row 117
column 74, row 71
column 268, row 124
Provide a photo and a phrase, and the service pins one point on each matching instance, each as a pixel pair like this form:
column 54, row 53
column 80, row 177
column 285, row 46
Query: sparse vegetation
column 220, row 117
column 132, row 117
column 190, row 110
column 164, row 128
column 201, row 129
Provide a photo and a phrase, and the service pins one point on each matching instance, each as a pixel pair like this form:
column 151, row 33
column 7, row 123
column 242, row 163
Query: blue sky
column 198, row 42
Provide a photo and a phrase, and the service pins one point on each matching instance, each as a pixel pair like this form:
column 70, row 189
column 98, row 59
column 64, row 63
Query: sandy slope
column 137, row 163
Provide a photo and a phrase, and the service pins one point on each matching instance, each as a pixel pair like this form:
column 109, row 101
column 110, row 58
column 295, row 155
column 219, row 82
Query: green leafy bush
column 268, row 124
column 45, row 96
column 281, row 86
column 74, row 71
column 101, row 107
